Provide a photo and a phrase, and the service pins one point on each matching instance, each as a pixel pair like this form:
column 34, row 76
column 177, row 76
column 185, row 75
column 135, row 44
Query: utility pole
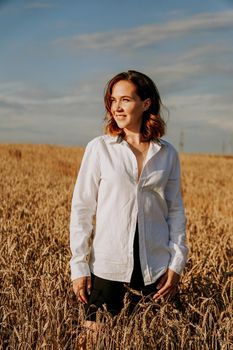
column 181, row 143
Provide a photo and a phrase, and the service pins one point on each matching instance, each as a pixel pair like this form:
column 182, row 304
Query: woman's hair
column 153, row 125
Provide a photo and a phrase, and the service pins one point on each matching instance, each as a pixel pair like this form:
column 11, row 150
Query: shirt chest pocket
column 156, row 181
column 116, row 172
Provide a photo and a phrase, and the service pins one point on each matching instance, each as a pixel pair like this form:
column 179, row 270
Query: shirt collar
column 119, row 139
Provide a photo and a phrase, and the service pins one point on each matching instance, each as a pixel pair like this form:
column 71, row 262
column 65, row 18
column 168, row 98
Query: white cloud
column 34, row 113
column 76, row 114
column 15, row 94
column 223, row 123
column 201, row 110
column 38, row 5
column 205, row 50
column 148, row 34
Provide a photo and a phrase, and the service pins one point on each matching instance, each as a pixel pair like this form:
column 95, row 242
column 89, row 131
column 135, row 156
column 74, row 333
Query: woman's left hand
column 167, row 285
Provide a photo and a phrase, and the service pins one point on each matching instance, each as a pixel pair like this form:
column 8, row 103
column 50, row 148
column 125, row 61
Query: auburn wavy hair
column 153, row 125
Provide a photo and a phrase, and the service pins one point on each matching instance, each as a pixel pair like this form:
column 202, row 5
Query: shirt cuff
column 78, row 270
column 179, row 255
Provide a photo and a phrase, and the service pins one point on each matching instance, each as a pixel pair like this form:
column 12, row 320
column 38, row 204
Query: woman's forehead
column 124, row 88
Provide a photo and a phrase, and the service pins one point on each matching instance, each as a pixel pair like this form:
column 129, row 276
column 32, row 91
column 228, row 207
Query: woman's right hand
column 82, row 288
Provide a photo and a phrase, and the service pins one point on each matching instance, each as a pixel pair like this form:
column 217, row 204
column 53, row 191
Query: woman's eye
column 126, row 99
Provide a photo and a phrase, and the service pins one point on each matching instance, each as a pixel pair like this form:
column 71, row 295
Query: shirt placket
column 138, row 215
column 134, row 170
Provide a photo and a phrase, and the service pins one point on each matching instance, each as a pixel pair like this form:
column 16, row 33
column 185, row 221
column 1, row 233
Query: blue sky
column 57, row 56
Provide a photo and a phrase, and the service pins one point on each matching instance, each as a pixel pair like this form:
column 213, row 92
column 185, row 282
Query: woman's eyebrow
column 122, row 96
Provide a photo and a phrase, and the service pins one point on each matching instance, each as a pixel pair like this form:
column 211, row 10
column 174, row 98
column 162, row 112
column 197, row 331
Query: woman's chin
column 121, row 125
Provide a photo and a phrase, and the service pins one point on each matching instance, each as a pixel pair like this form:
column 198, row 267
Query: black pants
column 112, row 293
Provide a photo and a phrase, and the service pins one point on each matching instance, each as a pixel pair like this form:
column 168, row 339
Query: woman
column 129, row 180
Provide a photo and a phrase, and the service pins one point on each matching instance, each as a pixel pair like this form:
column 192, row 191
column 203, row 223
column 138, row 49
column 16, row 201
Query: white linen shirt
column 108, row 188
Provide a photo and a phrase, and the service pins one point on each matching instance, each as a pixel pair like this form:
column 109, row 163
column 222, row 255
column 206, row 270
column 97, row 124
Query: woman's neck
column 135, row 138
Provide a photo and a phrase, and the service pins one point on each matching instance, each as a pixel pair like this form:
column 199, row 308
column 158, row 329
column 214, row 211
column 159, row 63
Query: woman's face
column 127, row 107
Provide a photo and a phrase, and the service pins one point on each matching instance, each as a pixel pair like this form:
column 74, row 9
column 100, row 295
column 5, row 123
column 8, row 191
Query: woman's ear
column 147, row 103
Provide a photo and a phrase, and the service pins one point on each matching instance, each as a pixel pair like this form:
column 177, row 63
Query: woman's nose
column 118, row 106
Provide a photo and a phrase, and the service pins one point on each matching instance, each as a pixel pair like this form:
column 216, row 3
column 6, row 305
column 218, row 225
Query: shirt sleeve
column 83, row 208
column 176, row 219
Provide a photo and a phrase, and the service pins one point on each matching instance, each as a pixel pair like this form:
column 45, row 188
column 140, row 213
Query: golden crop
column 38, row 308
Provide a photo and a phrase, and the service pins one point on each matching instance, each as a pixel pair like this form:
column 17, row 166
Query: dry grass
column 38, row 308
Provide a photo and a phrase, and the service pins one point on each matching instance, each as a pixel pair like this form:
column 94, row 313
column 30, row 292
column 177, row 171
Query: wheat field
column 38, row 308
